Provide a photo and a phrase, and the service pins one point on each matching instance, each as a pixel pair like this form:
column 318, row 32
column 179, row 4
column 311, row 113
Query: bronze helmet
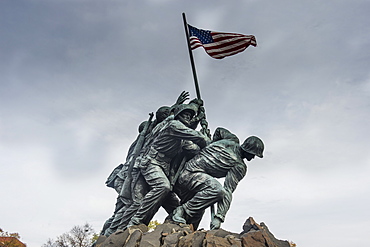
column 253, row 145
column 184, row 107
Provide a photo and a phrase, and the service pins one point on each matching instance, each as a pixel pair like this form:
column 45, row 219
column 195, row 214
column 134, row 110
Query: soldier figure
column 119, row 174
column 197, row 186
column 155, row 163
column 116, row 180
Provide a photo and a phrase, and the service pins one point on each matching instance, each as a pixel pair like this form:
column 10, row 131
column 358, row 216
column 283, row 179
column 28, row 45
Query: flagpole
column 191, row 57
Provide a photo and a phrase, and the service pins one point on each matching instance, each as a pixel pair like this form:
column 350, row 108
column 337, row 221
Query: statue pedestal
column 173, row 235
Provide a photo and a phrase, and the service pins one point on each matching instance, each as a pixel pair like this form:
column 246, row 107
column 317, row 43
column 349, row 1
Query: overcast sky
column 78, row 77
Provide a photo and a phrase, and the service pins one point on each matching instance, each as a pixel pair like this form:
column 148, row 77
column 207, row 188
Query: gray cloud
column 77, row 78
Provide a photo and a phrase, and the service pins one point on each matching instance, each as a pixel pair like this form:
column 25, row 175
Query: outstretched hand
column 183, row 96
column 215, row 223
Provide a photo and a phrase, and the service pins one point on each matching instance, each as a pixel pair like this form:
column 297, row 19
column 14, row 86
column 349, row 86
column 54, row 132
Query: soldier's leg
column 106, row 225
column 118, row 182
column 129, row 213
column 195, row 221
column 170, row 203
column 159, row 188
column 140, row 189
column 117, row 217
column 207, row 191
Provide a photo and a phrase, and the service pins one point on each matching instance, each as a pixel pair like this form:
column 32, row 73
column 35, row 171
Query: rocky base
column 173, row 235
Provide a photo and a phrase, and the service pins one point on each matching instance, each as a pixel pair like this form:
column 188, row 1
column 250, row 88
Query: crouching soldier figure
column 197, row 186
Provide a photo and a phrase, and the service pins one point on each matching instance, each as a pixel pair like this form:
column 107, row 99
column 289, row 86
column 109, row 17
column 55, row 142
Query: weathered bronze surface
column 173, row 165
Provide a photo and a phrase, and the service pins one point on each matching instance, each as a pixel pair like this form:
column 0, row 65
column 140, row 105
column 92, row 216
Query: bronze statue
column 171, row 160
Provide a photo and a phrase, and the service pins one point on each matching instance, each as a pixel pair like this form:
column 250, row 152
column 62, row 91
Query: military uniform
column 197, row 186
column 155, row 164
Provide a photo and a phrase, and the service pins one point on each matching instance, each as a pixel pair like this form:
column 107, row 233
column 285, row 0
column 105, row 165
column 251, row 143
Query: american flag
column 219, row 45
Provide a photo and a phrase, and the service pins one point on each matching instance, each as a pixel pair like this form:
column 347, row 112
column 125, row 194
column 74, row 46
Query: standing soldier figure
column 155, row 163
column 119, row 175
